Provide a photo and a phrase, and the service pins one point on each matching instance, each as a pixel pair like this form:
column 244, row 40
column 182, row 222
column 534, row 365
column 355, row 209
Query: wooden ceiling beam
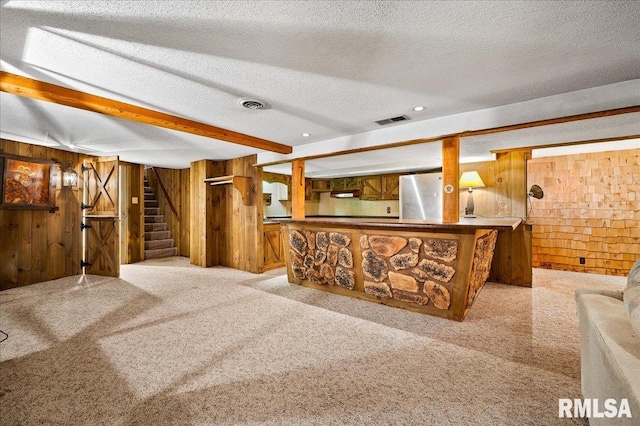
column 35, row 89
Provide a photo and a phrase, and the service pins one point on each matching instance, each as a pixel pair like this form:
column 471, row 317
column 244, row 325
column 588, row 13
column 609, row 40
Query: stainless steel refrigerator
column 421, row 196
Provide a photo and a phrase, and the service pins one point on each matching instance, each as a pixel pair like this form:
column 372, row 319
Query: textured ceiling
column 428, row 156
column 326, row 68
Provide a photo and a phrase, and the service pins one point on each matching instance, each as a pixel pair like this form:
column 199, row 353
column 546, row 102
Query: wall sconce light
column 470, row 180
column 536, row 192
column 69, row 177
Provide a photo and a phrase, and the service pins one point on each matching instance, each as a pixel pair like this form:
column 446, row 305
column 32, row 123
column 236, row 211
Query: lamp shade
column 471, row 180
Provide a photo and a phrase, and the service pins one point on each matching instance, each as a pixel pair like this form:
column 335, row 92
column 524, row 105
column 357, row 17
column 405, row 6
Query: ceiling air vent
column 392, row 120
column 253, row 104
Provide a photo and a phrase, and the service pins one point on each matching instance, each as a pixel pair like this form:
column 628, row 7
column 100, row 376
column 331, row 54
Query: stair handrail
column 166, row 194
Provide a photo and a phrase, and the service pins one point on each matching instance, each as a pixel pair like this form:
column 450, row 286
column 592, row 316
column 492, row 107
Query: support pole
column 297, row 189
column 450, row 177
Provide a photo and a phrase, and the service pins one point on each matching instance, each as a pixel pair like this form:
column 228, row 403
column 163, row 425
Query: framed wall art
column 27, row 183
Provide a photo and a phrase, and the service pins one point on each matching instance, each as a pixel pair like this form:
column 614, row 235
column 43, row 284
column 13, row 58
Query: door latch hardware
column 83, row 226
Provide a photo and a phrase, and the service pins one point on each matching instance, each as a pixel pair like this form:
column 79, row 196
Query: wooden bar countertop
column 500, row 223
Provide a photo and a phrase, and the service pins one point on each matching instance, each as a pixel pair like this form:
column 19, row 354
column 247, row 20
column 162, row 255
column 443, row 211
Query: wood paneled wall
column 203, row 230
column 225, row 231
column 177, row 184
column 511, row 183
column 36, row 245
column 590, row 209
column 243, row 233
column 131, row 215
column 505, row 193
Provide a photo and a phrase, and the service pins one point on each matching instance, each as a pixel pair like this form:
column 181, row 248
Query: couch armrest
column 616, row 294
column 609, row 354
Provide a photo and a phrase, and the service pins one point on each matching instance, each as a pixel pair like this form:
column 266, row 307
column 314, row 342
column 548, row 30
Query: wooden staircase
column 157, row 239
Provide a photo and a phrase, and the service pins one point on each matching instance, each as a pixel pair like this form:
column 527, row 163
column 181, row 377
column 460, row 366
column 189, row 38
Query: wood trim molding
column 549, row 121
column 470, row 133
column 560, row 144
column 35, row 89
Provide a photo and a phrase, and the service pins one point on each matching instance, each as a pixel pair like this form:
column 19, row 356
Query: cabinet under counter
column 273, row 247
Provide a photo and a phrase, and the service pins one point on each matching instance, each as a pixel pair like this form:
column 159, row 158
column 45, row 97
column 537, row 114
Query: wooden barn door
column 100, row 216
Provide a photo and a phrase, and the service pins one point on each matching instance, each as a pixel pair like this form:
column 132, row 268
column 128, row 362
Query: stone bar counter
column 423, row 266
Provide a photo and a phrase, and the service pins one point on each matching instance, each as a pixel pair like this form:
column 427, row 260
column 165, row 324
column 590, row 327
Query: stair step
column 153, row 218
column 163, row 252
column 157, row 235
column 158, row 244
column 150, row 227
column 157, row 239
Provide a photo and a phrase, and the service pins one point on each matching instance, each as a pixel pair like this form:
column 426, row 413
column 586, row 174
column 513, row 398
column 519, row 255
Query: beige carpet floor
column 173, row 344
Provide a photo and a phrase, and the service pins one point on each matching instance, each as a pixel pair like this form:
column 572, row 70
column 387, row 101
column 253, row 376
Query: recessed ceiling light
column 418, row 108
column 306, row 135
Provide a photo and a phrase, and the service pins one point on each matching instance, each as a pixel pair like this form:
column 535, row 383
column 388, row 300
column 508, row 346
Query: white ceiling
column 428, row 156
column 327, row 68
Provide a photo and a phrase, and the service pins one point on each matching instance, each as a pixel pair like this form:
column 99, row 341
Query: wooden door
column 101, row 246
column 309, row 193
column 391, row 187
column 101, row 186
column 371, row 188
column 352, row 183
column 273, row 247
column 339, row 184
column 100, row 216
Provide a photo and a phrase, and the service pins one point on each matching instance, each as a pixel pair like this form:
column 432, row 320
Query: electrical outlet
column 582, row 260
column 388, row 209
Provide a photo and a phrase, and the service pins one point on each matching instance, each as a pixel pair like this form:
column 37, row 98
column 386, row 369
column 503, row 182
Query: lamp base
column 468, row 211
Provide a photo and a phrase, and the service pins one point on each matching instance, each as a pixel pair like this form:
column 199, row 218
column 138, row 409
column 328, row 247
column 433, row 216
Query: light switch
column 134, row 200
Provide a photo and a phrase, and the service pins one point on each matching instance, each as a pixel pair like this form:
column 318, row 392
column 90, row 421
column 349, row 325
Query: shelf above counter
column 241, row 183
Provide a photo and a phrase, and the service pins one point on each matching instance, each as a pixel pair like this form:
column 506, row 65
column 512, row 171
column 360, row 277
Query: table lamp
column 470, row 180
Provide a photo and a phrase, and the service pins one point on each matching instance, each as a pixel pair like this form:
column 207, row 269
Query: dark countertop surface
column 471, row 223
column 269, row 220
column 331, row 217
